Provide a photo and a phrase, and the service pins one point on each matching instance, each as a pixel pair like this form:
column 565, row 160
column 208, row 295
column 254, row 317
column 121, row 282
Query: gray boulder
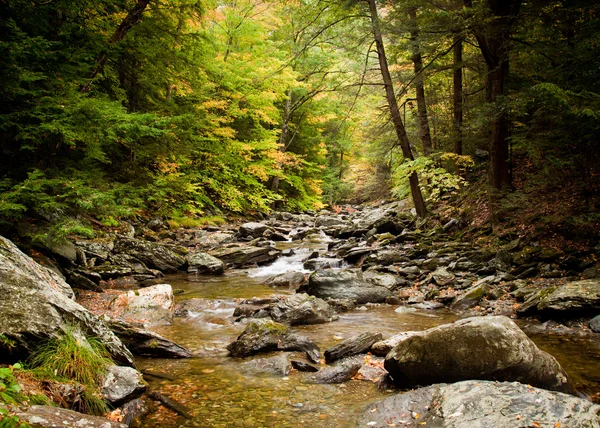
column 383, row 347
column 487, row 348
column 481, row 404
column 259, row 336
column 204, row 264
column 254, row 230
column 299, row 309
column 353, row 346
column 151, row 305
column 344, row 284
column 153, row 255
column 245, row 255
column 54, row 417
column 288, row 279
column 572, row 299
column 442, row 277
column 122, row 384
column 40, row 308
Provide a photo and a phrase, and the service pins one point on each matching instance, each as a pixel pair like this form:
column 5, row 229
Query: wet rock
column 344, row 284
column 481, row 404
column 357, row 254
column 259, row 336
column 383, row 347
column 572, row 299
column 255, row 230
column 203, row 263
column 353, row 346
column 342, row 372
column 301, row 308
column 442, row 277
column 146, row 343
column 372, row 370
column 595, row 324
column 241, row 256
column 275, row 236
column 122, row 384
column 471, row 297
column 40, row 308
column 387, row 280
column 322, row 263
column 296, row 342
column 301, row 366
column 428, row 305
column 205, row 239
column 341, row 305
column 287, row 279
column 489, row 348
column 276, row 365
column 153, row 255
column 134, row 411
column 152, row 305
column 54, row 417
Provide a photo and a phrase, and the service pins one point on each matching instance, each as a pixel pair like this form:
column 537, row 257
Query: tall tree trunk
column 394, row 110
column 417, row 58
column 457, row 97
column 133, row 17
column 284, row 136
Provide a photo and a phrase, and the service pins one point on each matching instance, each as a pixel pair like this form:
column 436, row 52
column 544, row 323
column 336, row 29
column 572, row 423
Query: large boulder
column 254, row 230
column 296, row 309
column 344, row 284
column 481, row 404
column 204, row 264
column 245, row 255
column 153, row 255
column 151, row 305
column 487, row 348
column 38, row 305
column 54, row 417
column 572, row 299
column 259, row 336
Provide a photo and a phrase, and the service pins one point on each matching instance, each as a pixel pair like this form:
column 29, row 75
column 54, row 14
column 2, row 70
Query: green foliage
column 73, row 357
column 436, row 181
column 10, row 391
column 194, row 222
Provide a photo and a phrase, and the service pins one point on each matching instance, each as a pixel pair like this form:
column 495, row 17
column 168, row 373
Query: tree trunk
column 417, row 58
column 133, row 17
column 283, row 137
column 394, row 110
column 458, row 94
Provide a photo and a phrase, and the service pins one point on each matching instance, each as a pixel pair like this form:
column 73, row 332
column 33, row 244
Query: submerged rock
column 38, row 306
column 481, row 404
column 276, row 365
column 489, row 348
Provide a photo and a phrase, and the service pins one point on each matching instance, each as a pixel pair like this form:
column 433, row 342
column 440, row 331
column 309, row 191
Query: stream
column 221, row 391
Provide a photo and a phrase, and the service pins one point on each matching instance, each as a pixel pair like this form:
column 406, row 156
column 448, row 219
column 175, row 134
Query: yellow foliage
column 258, row 171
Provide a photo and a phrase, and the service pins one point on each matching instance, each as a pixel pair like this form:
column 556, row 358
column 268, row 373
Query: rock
column 153, row 255
column 344, row 284
column 288, row 279
column 276, row 365
column 134, row 412
column 353, row 346
column 122, row 384
column 152, row 305
column 295, row 342
column 214, row 239
column 301, row 366
column 81, row 282
column 98, row 249
column 241, row 256
column 383, row 347
column 254, row 230
column 388, row 257
column 324, row 221
column 471, row 297
column 322, row 263
column 156, row 224
column 578, row 298
column 54, row 417
column 442, row 277
column 340, row 373
column 488, row 348
column 428, row 305
column 204, row 264
column 387, row 280
column 372, row 370
column 595, row 324
column 146, row 343
column 259, row 336
column 40, row 308
column 301, row 308
column 481, row 404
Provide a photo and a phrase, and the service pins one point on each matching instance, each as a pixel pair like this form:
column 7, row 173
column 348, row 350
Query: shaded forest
column 113, row 110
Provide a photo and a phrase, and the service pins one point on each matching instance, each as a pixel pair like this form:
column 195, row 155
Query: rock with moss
column 203, row 263
column 471, row 297
column 53, row 417
column 261, row 335
column 577, row 298
column 481, row 404
column 38, row 306
column 487, row 348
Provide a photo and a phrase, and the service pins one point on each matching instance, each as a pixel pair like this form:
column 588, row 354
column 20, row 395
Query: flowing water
column 221, row 391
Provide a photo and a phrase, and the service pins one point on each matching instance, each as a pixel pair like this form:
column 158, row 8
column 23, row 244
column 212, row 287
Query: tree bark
column 417, row 58
column 133, row 17
column 415, row 189
column 458, row 94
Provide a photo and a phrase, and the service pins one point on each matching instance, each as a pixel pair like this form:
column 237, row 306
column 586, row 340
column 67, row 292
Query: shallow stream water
column 220, row 391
